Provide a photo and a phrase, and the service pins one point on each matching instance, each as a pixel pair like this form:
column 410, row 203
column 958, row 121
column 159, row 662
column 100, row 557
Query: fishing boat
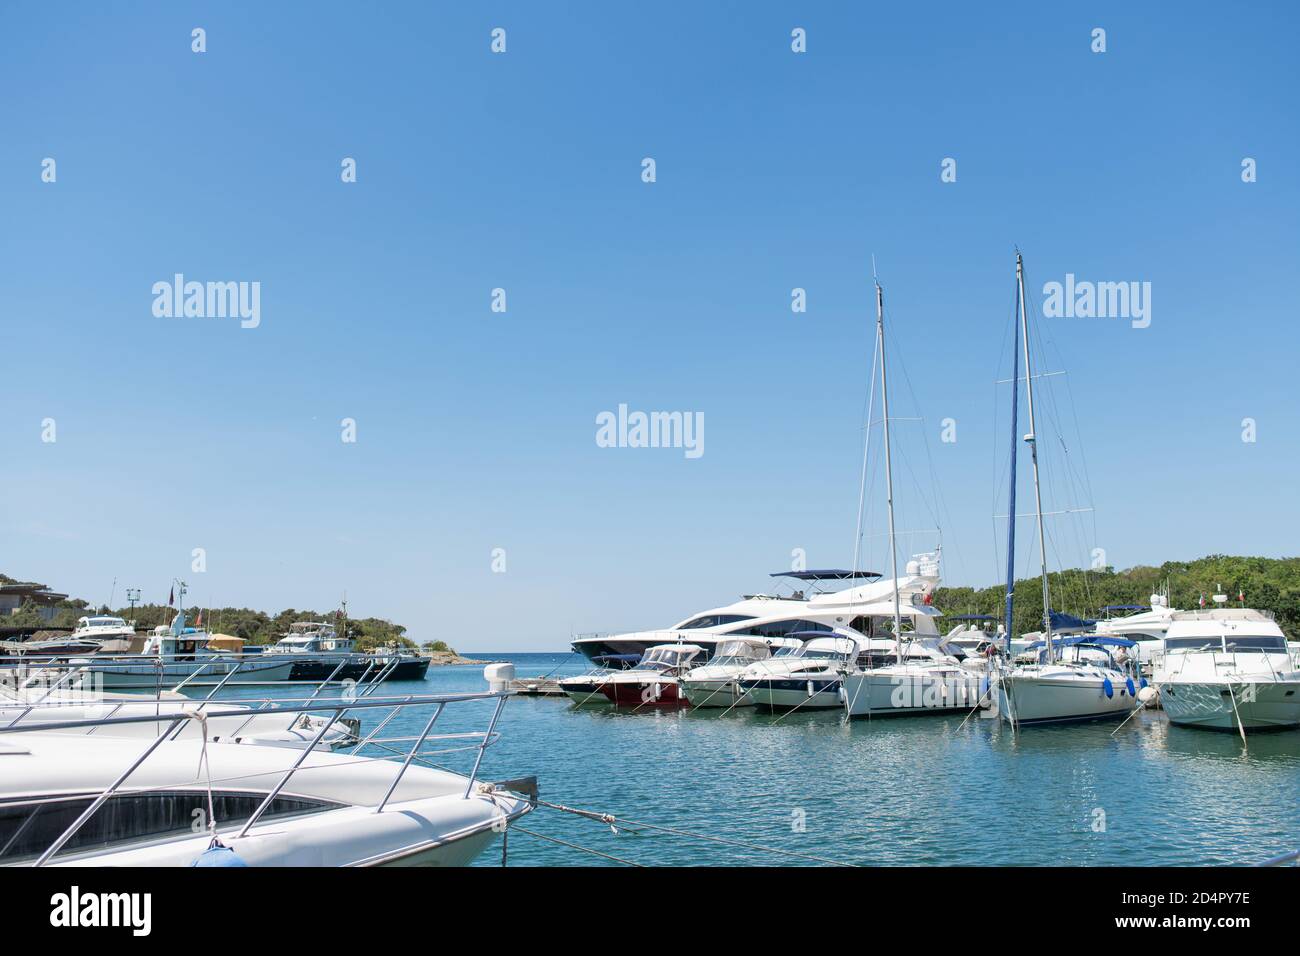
column 655, row 681
column 321, row 653
column 1058, row 688
column 1228, row 669
column 101, row 801
column 175, row 655
column 715, row 684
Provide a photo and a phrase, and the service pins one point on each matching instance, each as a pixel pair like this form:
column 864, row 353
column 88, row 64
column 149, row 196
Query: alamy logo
column 651, row 430
column 215, row 300
column 75, row 908
column 1101, row 300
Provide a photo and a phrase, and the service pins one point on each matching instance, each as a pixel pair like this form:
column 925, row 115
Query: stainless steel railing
column 479, row 742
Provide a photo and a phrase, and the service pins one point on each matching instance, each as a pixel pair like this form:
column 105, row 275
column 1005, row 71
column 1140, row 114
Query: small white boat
column 112, row 634
column 584, row 689
column 803, row 678
column 656, row 680
column 1228, row 669
column 715, row 684
column 923, row 679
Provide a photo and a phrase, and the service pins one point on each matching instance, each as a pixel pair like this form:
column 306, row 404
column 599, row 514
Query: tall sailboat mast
column 889, row 468
column 1032, row 439
column 1015, row 447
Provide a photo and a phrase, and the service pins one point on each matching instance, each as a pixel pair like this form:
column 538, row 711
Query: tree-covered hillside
column 1269, row 584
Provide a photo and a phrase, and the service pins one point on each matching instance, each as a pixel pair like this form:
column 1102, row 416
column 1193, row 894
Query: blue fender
column 1108, row 687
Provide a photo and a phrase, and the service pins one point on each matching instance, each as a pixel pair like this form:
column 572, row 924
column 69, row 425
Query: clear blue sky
column 523, row 171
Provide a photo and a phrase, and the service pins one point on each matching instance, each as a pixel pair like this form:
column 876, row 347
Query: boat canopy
column 753, row 647
column 1067, row 622
column 834, row 574
column 1095, row 639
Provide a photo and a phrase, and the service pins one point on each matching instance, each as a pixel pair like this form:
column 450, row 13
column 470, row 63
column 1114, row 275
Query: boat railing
column 476, row 741
column 368, row 684
column 46, row 667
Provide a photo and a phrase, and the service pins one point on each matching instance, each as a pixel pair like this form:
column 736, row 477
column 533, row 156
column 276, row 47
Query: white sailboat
column 1061, row 686
column 923, row 678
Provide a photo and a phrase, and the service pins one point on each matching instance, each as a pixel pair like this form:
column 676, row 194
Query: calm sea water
column 901, row 791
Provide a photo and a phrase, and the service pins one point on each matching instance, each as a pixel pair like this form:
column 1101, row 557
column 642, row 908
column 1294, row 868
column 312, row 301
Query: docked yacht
column 175, row 655
column 312, row 637
column 656, row 680
column 1145, row 625
column 1078, row 679
column 113, row 635
column 1228, row 669
column 807, row 677
column 714, row 684
column 849, row 612
column 71, row 800
column 584, row 688
column 926, row 676
column 322, row 654
column 1072, row 678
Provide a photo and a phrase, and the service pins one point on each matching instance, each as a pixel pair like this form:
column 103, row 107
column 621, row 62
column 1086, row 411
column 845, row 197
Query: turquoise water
column 901, row 791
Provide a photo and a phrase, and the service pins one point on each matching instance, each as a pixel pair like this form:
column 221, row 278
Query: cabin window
column 781, row 628
column 715, row 620
column 27, row 829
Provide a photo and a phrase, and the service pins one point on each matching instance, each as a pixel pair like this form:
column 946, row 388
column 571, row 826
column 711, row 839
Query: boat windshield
column 1240, row 645
column 1256, row 645
column 735, row 652
column 821, row 654
column 661, row 657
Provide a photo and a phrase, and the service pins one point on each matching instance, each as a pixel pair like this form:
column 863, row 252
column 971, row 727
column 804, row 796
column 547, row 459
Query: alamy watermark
column 1100, row 300
column 215, row 300
column 651, row 430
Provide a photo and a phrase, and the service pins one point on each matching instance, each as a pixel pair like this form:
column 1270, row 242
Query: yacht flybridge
column 854, row 612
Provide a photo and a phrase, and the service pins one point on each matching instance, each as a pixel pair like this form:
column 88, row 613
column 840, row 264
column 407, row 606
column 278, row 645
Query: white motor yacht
column 584, row 689
column 814, row 606
column 656, row 680
column 112, row 634
column 74, row 800
column 1228, row 669
column 714, row 684
column 804, row 678
column 923, row 678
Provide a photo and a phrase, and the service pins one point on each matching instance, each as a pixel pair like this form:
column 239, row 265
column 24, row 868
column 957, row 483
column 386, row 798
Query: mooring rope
column 575, row 846
column 613, row 822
